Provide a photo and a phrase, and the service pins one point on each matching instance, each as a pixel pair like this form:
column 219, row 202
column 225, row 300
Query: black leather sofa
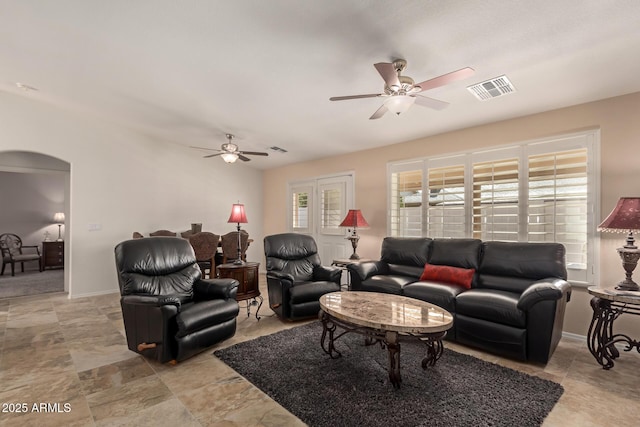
column 516, row 299
column 169, row 312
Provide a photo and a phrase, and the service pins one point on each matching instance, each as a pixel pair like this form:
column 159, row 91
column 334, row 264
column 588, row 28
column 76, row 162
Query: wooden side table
column 52, row 254
column 608, row 305
column 247, row 275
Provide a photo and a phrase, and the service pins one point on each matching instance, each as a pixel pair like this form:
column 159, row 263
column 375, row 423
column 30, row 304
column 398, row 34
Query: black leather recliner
column 296, row 278
column 169, row 313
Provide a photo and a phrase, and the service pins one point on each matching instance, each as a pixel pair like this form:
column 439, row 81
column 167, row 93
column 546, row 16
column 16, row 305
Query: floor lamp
column 238, row 216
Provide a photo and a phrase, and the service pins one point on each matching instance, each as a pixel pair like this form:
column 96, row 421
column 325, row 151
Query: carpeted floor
column 354, row 390
column 31, row 282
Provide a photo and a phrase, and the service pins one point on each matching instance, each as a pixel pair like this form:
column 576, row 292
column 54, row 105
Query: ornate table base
column 386, row 339
column 601, row 339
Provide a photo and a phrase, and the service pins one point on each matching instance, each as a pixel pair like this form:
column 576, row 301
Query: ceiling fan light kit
column 402, row 92
column 399, row 103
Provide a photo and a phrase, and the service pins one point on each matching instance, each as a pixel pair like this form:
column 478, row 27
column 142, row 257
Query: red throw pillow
column 448, row 274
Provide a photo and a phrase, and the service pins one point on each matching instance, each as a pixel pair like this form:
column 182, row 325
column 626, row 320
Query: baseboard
column 94, row 294
column 574, row 336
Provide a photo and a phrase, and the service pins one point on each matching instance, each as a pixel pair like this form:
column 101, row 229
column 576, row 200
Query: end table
column 247, row 275
column 343, row 263
column 608, row 305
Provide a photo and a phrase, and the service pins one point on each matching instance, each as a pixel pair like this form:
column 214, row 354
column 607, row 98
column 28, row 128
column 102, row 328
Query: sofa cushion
column 444, row 296
column 491, row 305
column 525, row 260
column 449, row 275
column 463, row 253
column 405, row 250
column 389, row 284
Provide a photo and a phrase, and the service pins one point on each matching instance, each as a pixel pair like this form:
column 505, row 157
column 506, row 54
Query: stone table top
column 386, row 312
column 612, row 294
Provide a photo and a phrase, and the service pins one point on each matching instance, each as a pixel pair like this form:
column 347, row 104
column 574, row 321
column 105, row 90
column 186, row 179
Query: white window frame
column 589, row 139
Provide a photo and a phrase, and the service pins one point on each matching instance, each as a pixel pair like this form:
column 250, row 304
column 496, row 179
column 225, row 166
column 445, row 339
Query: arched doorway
column 34, row 188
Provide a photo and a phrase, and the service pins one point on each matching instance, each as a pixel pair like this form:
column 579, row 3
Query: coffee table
column 385, row 319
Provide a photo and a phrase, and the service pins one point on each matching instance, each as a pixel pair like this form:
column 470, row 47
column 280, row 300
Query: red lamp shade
column 237, row 214
column 354, row 219
column 625, row 217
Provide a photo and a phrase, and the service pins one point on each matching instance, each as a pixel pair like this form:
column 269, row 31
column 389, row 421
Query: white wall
column 125, row 181
column 29, row 201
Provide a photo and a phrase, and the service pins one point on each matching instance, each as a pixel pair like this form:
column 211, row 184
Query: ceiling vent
column 278, row 149
column 493, row 88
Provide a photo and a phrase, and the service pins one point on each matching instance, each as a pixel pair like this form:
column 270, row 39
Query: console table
column 52, row 254
column 608, row 305
column 247, row 275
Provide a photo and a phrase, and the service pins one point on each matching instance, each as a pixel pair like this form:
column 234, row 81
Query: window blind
column 445, row 209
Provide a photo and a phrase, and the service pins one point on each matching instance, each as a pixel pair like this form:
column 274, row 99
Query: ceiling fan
column 401, row 92
column 230, row 152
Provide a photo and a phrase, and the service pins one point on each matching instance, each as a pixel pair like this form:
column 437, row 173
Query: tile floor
column 69, row 357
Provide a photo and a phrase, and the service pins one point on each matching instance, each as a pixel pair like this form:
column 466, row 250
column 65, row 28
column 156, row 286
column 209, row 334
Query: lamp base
column 630, row 259
column 238, row 262
column 354, row 244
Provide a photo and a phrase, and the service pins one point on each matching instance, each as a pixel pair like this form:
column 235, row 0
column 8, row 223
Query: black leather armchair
column 296, row 278
column 169, row 313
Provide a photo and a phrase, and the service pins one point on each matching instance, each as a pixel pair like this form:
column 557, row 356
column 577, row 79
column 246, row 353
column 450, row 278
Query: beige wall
column 125, row 181
column 617, row 119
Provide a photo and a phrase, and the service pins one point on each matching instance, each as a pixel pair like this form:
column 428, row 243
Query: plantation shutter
column 558, row 203
column 495, row 200
column 445, row 209
column 405, row 216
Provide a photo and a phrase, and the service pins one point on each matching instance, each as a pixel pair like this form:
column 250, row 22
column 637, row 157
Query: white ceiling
column 191, row 71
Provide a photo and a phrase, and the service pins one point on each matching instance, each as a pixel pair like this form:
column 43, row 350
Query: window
column 301, row 209
column 495, row 200
column 541, row 191
column 405, row 195
column 445, row 207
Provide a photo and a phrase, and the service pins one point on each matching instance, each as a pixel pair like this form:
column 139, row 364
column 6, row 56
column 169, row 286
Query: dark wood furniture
column 52, row 255
column 608, row 304
column 247, row 275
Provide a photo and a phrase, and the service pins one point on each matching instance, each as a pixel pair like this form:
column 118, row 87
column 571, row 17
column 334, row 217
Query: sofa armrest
column 152, row 300
column 544, row 290
column 328, row 274
column 208, row 289
column 280, row 277
column 365, row 270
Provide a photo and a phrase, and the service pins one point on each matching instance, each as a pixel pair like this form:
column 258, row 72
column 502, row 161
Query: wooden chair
column 11, row 248
column 229, row 245
column 205, row 245
column 137, row 235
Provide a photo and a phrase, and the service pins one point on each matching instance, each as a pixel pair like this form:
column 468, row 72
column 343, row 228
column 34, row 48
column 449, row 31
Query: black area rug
column 354, row 390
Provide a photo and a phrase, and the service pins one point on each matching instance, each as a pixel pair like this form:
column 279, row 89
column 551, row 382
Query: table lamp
column 354, row 219
column 625, row 218
column 58, row 218
column 238, row 216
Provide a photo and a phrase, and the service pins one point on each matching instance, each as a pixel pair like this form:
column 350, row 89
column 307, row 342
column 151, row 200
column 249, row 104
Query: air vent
column 278, row 149
column 493, row 88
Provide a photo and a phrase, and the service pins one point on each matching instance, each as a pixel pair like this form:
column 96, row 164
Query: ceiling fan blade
column 253, row 153
column 204, row 148
column 243, row 158
column 445, row 79
column 212, row 155
column 379, row 112
column 343, row 98
column 388, row 72
column 431, row 103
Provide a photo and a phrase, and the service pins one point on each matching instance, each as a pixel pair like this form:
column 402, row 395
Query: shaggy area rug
column 354, row 390
column 31, row 282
